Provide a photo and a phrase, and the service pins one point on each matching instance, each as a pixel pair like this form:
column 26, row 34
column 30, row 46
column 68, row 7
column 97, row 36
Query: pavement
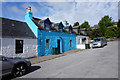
column 49, row 57
column 91, row 63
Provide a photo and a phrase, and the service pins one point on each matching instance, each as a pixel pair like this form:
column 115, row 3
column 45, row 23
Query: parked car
column 15, row 66
column 99, row 42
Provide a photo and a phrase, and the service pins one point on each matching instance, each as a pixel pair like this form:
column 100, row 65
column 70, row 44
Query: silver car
column 99, row 42
column 15, row 66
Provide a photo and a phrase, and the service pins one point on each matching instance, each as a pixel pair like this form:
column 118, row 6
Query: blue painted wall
column 34, row 28
column 53, row 37
column 42, row 35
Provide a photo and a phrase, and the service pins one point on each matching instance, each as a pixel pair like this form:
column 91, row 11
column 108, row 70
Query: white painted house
column 17, row 39
column 81, row 41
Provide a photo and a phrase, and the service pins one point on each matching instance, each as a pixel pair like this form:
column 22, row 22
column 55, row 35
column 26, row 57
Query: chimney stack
column 28, row 9
column 65, row 23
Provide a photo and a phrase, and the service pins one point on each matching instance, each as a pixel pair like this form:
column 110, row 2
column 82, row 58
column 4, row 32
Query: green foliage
column 118, row 25
column 106, row 29
column 109, row 32
column 106, row 21
column 89, row 29
column 112, row 32
column 94, row 33
column 103, row 30
column 76, row 24
column 85, row 25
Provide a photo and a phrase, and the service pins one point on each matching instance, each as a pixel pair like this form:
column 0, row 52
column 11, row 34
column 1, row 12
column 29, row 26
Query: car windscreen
column 96, row 40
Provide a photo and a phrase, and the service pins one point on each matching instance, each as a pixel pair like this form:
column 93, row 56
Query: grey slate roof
column 15, row 29
column 40, row 24
column 54, row 26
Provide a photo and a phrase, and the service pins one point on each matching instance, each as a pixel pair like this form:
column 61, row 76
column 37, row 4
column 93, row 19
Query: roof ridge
column 12, row 19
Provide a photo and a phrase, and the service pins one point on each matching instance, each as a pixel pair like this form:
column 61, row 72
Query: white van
column 99, row 42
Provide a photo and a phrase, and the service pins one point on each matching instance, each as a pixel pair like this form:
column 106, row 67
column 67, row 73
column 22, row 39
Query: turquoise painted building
column 51, row 35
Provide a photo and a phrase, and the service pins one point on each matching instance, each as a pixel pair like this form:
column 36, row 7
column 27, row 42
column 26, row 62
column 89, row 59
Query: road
column 92, row 63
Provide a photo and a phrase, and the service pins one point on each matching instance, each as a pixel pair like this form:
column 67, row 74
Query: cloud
column 70, row 11
column 119, row 10
column 17, row 10
column 0, row 9
column 79, row 11
column 59, row 0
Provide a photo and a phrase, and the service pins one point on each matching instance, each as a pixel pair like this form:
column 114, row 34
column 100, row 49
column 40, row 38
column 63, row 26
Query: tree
column 105, row 22
column 118, row 25
column 85, row 25
column 76, row 24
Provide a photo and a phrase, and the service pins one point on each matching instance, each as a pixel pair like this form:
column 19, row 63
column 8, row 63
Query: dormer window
column 60, row 27
column 47, row 27
column 70, row 29
column 47, row 24
column 60, row 30
column 79, row 30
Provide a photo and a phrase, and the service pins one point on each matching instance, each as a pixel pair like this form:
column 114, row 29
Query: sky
column 72, row 11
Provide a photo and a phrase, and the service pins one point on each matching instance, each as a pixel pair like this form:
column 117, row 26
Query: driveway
column 91, row 63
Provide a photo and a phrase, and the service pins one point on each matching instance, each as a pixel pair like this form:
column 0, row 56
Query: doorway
column 58, row 46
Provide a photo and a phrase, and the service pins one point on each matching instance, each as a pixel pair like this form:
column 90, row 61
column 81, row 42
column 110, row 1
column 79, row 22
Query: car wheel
column 19, row 70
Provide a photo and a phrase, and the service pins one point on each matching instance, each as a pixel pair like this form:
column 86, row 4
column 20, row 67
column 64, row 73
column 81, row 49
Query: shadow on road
column 32, row 69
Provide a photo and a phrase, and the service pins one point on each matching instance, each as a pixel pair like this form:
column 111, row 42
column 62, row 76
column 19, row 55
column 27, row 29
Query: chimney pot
column 28, row 9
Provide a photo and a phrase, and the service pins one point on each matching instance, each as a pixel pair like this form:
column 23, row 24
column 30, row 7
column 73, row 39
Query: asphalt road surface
column 92, row 63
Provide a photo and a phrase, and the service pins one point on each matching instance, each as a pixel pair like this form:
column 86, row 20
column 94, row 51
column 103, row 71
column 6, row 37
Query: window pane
column 60, row 30
column 47, row 27
column 47, row 43
column 19, row 46
column 70, row 43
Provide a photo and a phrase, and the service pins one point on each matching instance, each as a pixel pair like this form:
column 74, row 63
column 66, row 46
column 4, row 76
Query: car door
column 6, row 66
column 0, row 66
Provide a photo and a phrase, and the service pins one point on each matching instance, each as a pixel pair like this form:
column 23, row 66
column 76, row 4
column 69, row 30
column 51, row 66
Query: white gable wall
column 79, row 42
column 29, row 47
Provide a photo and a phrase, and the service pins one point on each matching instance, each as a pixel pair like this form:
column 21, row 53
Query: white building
column 81, row 41
column 17, row 39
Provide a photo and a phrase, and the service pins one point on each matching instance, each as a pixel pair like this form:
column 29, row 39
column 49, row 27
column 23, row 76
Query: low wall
column 81, row 46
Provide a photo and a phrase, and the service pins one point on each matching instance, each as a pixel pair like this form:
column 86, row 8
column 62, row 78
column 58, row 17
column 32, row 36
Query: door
column 58, row 46
column 6, row 66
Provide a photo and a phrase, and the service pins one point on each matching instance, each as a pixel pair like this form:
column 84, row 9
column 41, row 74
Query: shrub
column 112, row 32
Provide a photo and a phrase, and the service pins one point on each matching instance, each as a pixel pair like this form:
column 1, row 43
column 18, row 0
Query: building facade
column 17, row 39
column 51, row 35
column 37, row 37
column 81, row 38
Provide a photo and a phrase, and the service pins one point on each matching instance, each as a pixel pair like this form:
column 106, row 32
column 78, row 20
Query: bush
column 112, row 32
column 94, row 33
column 109, row 32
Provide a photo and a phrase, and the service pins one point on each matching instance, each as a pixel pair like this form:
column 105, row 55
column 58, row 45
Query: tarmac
column 49, row 57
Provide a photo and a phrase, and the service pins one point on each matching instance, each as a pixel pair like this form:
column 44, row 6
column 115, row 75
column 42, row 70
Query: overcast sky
column 58, row 11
